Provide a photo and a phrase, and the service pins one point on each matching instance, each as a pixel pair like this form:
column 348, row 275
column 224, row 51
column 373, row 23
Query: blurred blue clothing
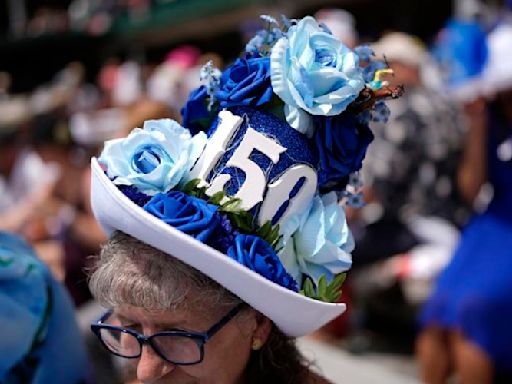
column 39, row 339
column 474, row 293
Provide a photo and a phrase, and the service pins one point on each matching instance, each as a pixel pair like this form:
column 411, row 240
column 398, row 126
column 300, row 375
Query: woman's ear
column 261, row 331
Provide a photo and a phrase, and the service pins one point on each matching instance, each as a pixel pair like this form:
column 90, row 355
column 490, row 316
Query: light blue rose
column 318, row 243
column 313, row 72
column 153, row 159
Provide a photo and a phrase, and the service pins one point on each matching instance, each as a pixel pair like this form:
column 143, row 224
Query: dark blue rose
column 134, row 194
column 224, row 234
column 195, row 112
column 191, row 215
column 246, row 82
column 341, row 142
column 257, row 255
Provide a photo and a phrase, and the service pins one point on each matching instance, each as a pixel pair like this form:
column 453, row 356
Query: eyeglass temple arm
column 213, row 330
column 103, row 317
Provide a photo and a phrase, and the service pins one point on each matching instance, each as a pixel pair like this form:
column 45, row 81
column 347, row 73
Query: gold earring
column 257, row 344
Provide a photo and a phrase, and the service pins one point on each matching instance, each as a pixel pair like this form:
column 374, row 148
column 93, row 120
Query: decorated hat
column 247, row 190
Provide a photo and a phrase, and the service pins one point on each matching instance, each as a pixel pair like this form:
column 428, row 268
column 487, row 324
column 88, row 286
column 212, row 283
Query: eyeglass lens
column 177, row 349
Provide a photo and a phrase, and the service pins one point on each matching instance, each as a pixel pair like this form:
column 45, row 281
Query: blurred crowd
column 430, row 170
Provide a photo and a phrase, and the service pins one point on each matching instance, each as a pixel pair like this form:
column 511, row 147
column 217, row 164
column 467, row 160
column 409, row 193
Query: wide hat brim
column 294, row 314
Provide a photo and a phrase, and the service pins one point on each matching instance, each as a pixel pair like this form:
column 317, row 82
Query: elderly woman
column 225, row 246
column 180, row 326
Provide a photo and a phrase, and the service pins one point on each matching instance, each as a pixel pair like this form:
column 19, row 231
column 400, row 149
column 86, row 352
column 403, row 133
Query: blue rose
column 257, row 255
column 191, row 215
column 154, row 159
column 341, row 142
column 318, row 242
column 224, row 235
column 195, row 114
column 245, row 82
column 313, row 72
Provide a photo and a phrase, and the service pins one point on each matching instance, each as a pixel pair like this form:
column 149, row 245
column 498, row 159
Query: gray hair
column 131, row 272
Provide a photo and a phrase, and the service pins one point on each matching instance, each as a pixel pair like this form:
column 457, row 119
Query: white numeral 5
column 252, row 190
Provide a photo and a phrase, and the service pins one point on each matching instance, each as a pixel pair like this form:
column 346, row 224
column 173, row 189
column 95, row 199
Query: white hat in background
column 497, row 74
column 341, row 23
column 399, row 46
column 93, row 128
column 128, row 87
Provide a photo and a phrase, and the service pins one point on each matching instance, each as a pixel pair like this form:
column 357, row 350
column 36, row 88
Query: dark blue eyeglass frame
column 200, row 338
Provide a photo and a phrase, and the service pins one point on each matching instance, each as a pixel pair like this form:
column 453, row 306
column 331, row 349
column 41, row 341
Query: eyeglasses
column 174, row 346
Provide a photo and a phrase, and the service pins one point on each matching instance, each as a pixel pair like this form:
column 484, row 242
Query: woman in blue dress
column 467, row 322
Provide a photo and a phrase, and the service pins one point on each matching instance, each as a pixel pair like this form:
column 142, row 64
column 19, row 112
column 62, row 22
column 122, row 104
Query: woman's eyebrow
column 124, row 319
column 172, row 326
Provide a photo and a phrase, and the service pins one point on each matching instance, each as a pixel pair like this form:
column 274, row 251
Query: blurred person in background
column 341, row 23
column 166, row 83
column 409, row 227
column 20, row 176
column 466, row 322
column 26, row 186
column 40, row 339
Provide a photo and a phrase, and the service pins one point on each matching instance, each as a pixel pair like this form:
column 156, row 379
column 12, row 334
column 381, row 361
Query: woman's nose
column 152, row 367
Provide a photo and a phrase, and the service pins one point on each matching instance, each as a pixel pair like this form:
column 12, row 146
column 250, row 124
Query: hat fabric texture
column 247, row 191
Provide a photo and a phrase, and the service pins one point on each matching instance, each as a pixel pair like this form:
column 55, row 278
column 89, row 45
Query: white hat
column 93, row 128
column 341, row 23
column 253, row 204
column 399, row 46
column 497, row 74
column 294, row 314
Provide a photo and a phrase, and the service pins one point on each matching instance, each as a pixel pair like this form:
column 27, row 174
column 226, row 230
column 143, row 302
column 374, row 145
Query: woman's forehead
column 180, row 317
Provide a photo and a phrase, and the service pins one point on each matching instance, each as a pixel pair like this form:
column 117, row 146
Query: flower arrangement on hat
column 320, row 89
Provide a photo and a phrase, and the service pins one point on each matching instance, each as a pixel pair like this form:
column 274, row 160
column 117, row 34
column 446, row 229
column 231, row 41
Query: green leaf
column 338, row 281
column 241, row 220
column 334, row 289
column 217, row 197
column 330, row 293
column 309, row 289
column 231, row 205
column 264, row 230
column 190, row 186
column 270, row 234
column 322, row 286
column 274, row 236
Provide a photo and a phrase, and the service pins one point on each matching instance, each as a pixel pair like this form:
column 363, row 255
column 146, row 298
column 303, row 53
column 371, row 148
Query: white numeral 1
column 216, row 146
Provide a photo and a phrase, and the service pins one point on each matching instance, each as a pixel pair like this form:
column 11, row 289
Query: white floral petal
column 299, row 120
column 278, row 74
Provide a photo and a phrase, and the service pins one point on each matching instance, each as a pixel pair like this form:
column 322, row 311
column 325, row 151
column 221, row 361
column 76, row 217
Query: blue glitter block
column 299, row 150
